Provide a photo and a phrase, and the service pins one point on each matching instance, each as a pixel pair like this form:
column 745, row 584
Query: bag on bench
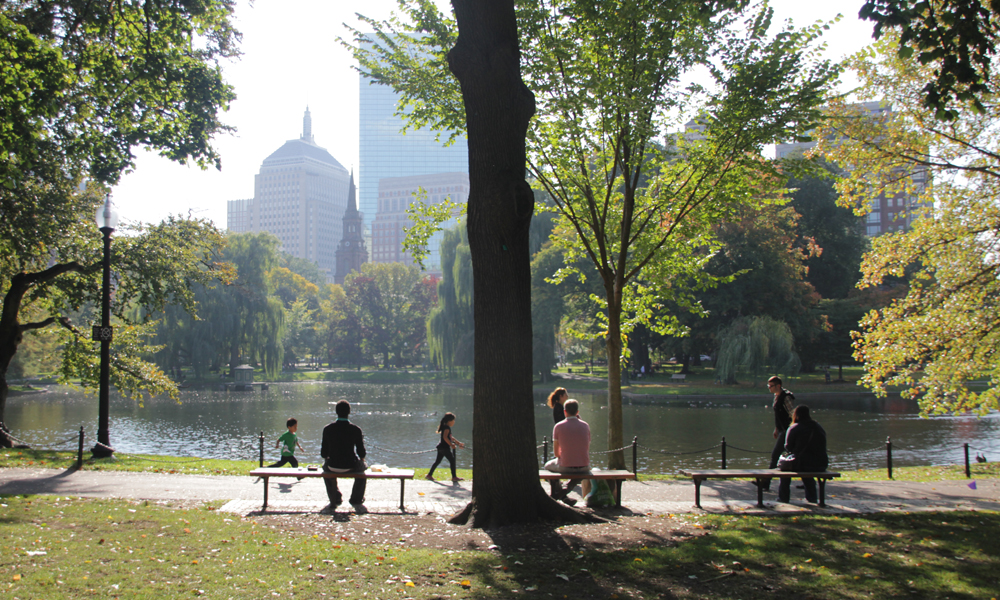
column 600, row 495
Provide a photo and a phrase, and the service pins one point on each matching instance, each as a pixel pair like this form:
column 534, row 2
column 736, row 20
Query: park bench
column 617, row 477
column 401, row 474
column 759, row 475
column 678, row 377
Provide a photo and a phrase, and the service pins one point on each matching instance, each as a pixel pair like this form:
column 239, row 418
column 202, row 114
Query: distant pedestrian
column 555, row 402
column 290, row 440
column 446, row 447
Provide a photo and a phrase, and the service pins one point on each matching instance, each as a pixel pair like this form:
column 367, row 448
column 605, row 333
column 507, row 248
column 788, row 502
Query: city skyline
column 292, row 59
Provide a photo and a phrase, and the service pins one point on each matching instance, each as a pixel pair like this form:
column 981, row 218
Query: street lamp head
column 107, row 216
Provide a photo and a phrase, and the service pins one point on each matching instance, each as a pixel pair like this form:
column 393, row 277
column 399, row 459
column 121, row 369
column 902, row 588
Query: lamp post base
column 101, row 452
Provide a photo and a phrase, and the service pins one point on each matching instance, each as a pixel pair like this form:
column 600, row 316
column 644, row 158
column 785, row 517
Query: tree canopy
column 642, row 213
column 83, row 84
column 943, row 335
column 956, row 38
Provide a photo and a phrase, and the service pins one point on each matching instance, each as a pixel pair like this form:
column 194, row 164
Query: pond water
column 399, row 421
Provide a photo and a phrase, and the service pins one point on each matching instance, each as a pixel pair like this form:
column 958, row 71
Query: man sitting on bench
column 571, row 447
column 344, row 451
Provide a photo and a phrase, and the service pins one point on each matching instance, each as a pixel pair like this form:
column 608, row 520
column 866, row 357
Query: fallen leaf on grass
column 563, row 577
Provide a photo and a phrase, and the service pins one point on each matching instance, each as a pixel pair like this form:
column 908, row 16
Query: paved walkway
column 245, row 494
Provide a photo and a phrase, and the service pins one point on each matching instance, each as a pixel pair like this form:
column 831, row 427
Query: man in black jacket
column 344, row 451
column 782, row 408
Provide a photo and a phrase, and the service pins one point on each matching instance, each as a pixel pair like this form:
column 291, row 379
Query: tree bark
column 613, row 340
column 486, row 61
column 11, row 330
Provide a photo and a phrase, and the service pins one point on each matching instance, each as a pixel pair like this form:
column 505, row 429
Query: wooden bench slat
column 401, row 474
column 546, row 474
column 759, row 475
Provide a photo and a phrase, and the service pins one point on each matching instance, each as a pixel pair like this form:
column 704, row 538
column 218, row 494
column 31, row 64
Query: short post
column 968, row 468
column 79, row 452
column 261, row 440
column 635, row 459
column 888, row 455
column 723, row 452
column 545, row 450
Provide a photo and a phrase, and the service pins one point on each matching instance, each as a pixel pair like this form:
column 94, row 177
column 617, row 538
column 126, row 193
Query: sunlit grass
column 57, row 547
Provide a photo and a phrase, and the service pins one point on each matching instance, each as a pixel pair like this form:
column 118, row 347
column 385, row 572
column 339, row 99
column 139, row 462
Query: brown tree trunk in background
column 486, row 61
column 613, row 340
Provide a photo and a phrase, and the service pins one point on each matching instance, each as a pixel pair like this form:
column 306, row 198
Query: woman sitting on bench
column 806, row 441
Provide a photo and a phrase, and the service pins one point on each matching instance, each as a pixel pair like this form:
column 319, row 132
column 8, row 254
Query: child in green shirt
column 290, row 441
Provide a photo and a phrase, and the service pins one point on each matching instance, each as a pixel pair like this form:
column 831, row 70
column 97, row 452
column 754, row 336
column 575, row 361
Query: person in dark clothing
column 806, row 441
column 782, row 407
column 555, row 402
column 344, row 451
column 446, row 447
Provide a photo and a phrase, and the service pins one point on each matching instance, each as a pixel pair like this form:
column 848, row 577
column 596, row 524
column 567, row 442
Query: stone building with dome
column 300, row 196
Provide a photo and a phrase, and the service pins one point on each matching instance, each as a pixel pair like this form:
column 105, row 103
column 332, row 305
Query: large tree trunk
column 486, row 61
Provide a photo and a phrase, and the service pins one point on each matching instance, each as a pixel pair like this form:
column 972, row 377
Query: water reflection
column 399, row 421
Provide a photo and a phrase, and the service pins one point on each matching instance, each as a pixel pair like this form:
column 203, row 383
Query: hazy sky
column 291, row 58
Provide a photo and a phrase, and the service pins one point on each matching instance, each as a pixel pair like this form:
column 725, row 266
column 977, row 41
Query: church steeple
column 351, row 253
column 352, row 196
column 307, row 127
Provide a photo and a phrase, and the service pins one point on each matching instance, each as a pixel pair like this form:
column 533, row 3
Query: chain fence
column 247, row 449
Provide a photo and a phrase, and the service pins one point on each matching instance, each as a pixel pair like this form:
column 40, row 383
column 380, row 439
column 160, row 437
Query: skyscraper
column 895, row 213
column 300, row 195
column 387, row 153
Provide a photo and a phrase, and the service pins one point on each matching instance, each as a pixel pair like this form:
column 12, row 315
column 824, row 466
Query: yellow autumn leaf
column 410, row 584
column 866, row 555
column 466, row 583
column 16, row 578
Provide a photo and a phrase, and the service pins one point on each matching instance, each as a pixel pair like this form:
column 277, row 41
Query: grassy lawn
column 61, row 548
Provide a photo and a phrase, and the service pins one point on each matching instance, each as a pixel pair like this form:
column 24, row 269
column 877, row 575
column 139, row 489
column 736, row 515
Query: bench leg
column 618, row 492
column 822, row 492
column 760, row 492
column 265, row 492
column 402, row 493
column 697, row 493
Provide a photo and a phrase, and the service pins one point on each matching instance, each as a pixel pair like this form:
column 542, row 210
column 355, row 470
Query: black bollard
column 888, row 455
column 723, row 452
column 635, row 459
column 79, row 452
column 968, row 468
column 261, row 440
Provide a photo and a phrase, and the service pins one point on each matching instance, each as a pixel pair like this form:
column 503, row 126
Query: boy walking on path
column 290, row 441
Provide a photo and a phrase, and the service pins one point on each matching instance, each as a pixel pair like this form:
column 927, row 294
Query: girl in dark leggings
column 445, row 446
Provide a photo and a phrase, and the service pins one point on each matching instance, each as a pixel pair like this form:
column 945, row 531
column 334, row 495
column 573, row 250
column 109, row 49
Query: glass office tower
column 385, row 152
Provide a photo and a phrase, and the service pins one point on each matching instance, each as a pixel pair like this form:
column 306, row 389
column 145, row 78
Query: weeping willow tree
column 242, row 321
column 450, row 327
column 755, row 346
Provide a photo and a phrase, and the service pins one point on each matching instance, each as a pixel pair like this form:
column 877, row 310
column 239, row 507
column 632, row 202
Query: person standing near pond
column 806, row 441
column 555, row 402
column 782, row 408
column 446, row 447
column 344, row 451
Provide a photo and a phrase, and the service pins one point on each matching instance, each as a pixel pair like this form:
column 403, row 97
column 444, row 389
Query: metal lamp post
column 107, row 220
